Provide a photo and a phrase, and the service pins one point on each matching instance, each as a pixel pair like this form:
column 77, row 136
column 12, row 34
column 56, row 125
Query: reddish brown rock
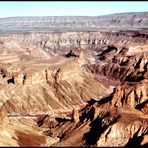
column 43, row 77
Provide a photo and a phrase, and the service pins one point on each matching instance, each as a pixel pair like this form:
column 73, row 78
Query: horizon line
column 75, row 15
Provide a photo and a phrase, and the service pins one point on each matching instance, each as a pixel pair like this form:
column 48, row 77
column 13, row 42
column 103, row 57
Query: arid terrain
column 72, row 81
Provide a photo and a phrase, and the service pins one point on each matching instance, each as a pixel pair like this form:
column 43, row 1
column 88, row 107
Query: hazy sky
column 71, row 8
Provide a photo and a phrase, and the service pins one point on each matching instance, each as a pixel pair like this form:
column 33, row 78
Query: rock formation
column 75, row 88
column 119, row 21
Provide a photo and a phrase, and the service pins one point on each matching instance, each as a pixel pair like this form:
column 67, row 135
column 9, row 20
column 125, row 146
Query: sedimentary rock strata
column 86, row 88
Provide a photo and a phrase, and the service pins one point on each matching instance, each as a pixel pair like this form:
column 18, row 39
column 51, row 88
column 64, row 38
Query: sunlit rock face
column 79, row 88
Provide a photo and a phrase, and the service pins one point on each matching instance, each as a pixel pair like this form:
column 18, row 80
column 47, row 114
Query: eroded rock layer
column 134, row 21
column 74, row 89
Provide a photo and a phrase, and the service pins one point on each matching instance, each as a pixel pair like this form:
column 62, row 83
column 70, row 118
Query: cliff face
column 74, row 23
column 101, row 125
column 26, row 92
column 74, row 87
column 46, row 45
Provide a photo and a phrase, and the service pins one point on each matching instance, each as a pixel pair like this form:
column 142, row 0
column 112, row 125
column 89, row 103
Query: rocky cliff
column 121, row 21
column 67, row 88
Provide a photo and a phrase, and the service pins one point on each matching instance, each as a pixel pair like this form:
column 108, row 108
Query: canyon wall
column 75, row 86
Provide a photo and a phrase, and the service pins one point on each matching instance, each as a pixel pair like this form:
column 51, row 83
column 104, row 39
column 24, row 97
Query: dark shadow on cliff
column 59, row 119
column 11, row 80
column 135, row 141
column 88, row 115
column 140, row 106
column 70, row 54
column 97, row 128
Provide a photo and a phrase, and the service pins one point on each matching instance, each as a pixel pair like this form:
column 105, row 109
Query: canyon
column 74, row 88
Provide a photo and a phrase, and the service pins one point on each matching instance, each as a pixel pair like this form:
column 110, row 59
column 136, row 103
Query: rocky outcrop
column 47, row 81
column 100, row 124
column 125, row 64
column 56, row 87
column 25, row 47
column 119, row 119
column 134, row 96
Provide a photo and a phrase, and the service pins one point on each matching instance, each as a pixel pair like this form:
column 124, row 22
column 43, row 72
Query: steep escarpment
column 119, row 21
column 45, row 45
column 99, row 124
column 119, row 63
column 74, row 89
column 55, row 86
column 119, row 119
column 128, row 66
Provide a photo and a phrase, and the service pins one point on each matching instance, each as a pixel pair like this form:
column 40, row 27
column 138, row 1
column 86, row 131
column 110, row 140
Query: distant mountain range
column 121, row 21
